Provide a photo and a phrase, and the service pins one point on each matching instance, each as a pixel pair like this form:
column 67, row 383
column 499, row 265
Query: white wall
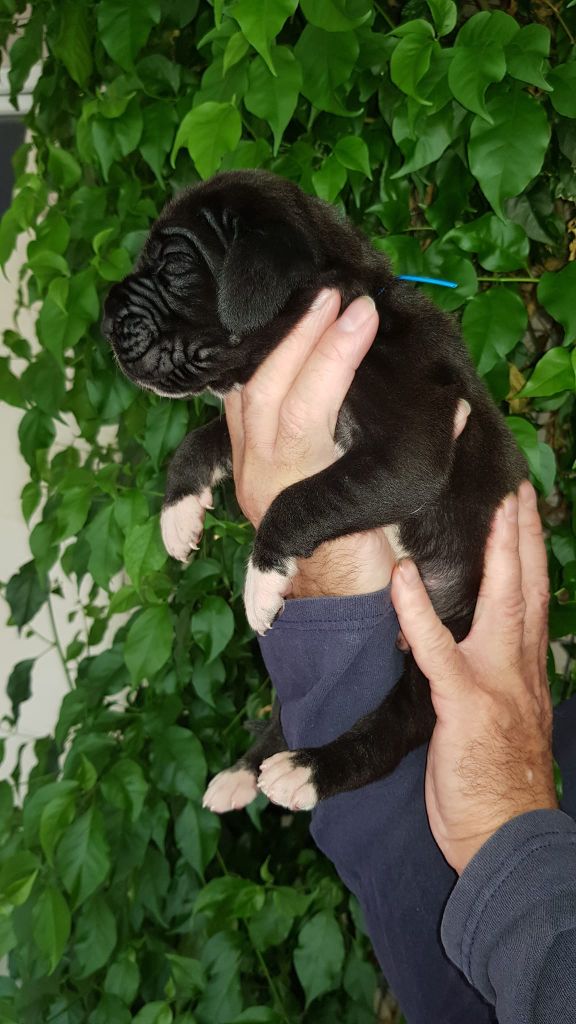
column 39, row 714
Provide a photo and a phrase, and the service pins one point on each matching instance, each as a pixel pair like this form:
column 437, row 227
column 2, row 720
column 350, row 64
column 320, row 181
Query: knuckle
column 294, row 417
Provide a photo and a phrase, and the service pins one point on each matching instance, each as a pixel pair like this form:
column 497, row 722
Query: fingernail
column 511, row 508
column 357, row 314
column 408, row 572
column 527, row 494
column 321, row 300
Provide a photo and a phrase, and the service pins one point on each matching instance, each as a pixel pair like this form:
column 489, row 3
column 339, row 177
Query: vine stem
column 509, row 280
column 385, row 15
column 261, row 960
column 58, row 644
column 556, row 10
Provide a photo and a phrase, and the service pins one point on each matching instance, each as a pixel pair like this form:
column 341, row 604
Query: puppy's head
column 229, row 266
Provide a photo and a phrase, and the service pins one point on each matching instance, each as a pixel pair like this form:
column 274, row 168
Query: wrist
column 351, row 565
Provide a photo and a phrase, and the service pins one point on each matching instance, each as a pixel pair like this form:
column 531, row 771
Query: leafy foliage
column 448, row 133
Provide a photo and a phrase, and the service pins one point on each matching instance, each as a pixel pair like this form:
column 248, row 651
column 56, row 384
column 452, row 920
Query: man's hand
column 282, row 428
column 490, row 757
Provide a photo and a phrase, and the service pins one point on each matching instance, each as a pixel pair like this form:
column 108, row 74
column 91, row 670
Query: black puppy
column 228, row 269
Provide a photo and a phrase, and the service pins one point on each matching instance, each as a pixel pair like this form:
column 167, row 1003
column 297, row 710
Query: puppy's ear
column 261, row 269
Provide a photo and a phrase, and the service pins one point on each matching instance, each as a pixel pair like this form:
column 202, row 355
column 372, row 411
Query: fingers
column 267, row 389
column 432, row 645
column 235, row 421
column 323, row 381
column 534, row 563
column 500, row 606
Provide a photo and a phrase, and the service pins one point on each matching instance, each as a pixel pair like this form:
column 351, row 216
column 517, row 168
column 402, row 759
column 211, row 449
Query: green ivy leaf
column 82, row 856
column 500, row 245
column 555, row 292
column 166, row 425
column 95, row 937
column 124, row 27
column 144, row 551
column 563, row 81
column 213, row 626
column 51, row 918
column 499, row 158
column 554, row 372
column 72, row 42
column 10, row 386
column 157, row 137
column 123, row 979
column 493, row 324
column 154, row 1013
column 197, row 831
column 208, row 131
column 327, row 59
column 17, row 876
column 187, row 974
column 105, row 543
column 445, row 15
column 329, row 181
column 236, row 48
column 18, row 688
column 73, row 510
column 539, row 455
column 36, row 433
column 178, row 765
column 411, row 60
column 319, row 957
column 57, row 814
column 25, row 52
column 526, row 55
column 427, row 138
column 336, row 15
column 274, row 98
column 149, row 643
column 63, row 168
column 352, row 152
column 26, row 593
column 125, row 787
column 261, row 21
column 479, row 58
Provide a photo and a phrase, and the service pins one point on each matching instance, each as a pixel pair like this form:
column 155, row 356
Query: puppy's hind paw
column 230, row 791
column 182, row 524
column 264, row 593
column 286, row 783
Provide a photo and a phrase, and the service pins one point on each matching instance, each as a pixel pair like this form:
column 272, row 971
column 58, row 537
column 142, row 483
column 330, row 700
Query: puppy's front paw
column 230, row 791
column 264, row 593
column 183, row 522
column 287, row 783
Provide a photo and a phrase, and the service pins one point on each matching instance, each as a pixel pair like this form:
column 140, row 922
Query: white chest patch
column 392, row 534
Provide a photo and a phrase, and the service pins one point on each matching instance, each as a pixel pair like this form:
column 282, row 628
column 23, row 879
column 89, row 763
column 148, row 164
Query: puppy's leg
column 357, row 493
column 202, row 459
column 370, row 750
column 235, row 788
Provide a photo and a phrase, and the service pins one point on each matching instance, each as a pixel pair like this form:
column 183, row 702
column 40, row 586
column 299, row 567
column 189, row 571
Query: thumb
column 433, row 646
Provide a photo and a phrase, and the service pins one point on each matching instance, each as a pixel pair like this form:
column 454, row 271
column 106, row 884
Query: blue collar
column 427, row 280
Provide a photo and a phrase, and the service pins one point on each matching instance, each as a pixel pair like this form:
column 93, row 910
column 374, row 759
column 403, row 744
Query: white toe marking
column 287, row 785
column 264, row 594
column 230, row 791
column 183, row 522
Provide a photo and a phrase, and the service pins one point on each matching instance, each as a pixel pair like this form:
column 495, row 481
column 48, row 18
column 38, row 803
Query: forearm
column 510, row 922
column 358, row 564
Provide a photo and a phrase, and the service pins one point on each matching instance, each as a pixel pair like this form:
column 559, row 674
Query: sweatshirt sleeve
column 510, row 921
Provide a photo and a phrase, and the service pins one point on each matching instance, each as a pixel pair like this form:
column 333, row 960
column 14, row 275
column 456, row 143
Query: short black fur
column 229, row 268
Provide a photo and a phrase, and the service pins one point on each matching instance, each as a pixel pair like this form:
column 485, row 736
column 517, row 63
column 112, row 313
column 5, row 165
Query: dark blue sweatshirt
column 509, row 923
